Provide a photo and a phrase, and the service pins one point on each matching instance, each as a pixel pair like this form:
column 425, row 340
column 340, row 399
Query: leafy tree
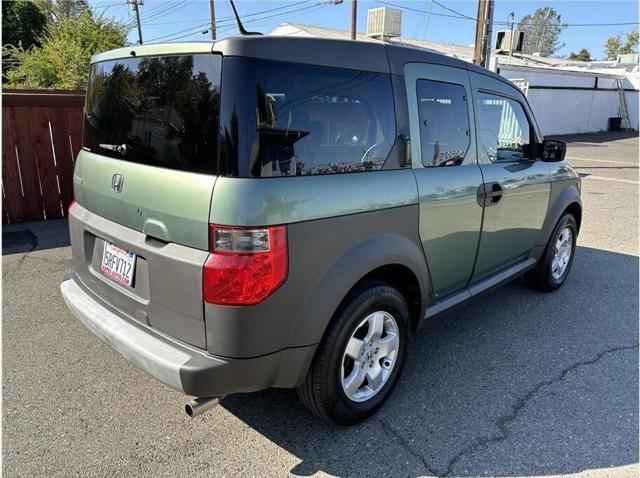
column 582, row 55
column 632, row 41
column 62, row 60
column 61, row 9
column 615, row 46
column 612, row 47
column 542, row 31
column 22, row 23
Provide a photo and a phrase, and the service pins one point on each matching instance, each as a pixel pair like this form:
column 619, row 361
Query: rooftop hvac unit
column 503, row 40
column 384, row 22
column 628, row 59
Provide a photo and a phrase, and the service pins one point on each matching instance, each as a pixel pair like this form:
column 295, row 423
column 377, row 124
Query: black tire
column 541, row 278
column 322, row 392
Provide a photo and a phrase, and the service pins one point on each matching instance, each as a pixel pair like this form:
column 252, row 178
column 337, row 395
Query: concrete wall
column 567, row 111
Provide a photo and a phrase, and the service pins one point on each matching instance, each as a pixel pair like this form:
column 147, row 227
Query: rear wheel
column 556, row 262
column 360, row 358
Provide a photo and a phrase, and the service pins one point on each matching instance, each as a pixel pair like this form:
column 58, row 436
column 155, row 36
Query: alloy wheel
column 369, row 357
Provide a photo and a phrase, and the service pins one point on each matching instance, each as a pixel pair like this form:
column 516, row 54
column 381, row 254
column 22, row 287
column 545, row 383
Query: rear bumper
column 182, row 367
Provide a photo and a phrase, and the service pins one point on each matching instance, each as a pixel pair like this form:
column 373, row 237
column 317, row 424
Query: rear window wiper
column 118, row 148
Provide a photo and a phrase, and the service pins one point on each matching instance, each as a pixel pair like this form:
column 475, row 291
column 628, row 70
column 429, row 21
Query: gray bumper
column 180, row 366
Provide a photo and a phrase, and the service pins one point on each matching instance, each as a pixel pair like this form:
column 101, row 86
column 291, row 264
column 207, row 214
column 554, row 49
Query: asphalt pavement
column 517, row 383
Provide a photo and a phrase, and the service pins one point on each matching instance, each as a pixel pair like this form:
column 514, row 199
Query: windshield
column 161, row 111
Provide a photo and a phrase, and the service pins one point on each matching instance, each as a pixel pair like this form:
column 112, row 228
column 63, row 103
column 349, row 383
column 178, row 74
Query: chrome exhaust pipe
column 200, row 405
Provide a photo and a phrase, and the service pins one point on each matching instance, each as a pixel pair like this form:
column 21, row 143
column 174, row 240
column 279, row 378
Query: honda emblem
column 116, row 183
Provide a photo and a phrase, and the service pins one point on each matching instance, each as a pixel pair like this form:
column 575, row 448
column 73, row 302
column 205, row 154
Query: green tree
column 615, row 45
column 542, row 31
column 582, row 55
column 612, row 47
column 61, row 9
column 22, row 23
column 62, row 59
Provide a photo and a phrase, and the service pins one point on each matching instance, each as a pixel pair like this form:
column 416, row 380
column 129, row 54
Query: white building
column 566, row 96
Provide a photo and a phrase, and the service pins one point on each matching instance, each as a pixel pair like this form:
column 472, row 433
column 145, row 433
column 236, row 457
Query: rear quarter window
column 285, row 119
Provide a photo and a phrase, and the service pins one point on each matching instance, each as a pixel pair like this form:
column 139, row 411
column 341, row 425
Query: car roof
column 371, row 56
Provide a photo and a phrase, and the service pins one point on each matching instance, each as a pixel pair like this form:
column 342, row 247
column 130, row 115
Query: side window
column 503, row 127
column 444, row 123
column 297, row 120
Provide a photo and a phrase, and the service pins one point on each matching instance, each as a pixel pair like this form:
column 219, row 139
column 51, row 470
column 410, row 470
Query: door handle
column 489, row 194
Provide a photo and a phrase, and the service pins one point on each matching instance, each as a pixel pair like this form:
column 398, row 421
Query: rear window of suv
column 288, row 119
column 160, row 111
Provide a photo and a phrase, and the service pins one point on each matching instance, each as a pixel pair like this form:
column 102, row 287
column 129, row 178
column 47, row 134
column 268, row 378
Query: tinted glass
column 161, row 111
column 444, row 123
column 503, row 127
column 286, row 119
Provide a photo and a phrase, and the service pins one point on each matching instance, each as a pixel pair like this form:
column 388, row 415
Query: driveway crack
column 504, row 420
column 34, row 244
column 400, row 440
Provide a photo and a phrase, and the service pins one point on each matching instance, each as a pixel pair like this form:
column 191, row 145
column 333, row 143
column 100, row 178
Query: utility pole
column 134, row 5
column 512, row 15
column 212, row 15
column 354, row 18
column 478, row 51
column 488, row 30
column 484, row 24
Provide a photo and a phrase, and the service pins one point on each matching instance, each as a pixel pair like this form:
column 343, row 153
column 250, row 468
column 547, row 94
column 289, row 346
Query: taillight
column 246, row 265
column 73, row 203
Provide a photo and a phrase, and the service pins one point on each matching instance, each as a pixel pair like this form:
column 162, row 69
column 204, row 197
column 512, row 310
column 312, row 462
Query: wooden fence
column 41, row 136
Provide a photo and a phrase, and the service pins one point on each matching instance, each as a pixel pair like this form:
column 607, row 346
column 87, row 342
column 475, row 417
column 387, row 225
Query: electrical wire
column 226, row 19
column 233, row 26
column 161, row 9
column 169, row 10
column 192, row 30
column 453, row 11
column 497, row 22
column 229, row 22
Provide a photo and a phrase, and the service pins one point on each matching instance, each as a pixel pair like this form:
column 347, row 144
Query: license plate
column 118, row 263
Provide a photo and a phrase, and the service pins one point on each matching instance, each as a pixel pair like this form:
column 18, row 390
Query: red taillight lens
column 73, row 203
column 246, row 265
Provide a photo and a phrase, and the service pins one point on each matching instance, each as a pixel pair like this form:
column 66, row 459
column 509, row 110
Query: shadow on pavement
column 594, row 139
column 34, row 236
column 516, row 383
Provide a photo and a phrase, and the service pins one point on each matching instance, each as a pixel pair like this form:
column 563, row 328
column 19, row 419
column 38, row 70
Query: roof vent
column 384, row 22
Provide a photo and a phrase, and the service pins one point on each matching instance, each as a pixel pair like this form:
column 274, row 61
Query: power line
column 466, row 17
column 312, row 8
column 273, row 9
column 159, row 7
column 425, row 11
column 169, row 10
column 453, row 11
column 230, row 21
column 160, row 12
column 192, row 30
column 162, row 8
column 231, row 26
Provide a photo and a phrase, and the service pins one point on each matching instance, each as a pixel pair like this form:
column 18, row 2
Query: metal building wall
column 567, row 102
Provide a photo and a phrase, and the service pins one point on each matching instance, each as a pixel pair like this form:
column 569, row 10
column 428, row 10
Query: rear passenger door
column 516, row 184
column 444, row 162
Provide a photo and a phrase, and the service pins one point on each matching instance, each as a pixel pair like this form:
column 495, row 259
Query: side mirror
column 553, row 150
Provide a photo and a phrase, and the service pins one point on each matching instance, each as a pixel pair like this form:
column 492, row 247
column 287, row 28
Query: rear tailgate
column 143, row 184
column 165, row 204
column 166, row 292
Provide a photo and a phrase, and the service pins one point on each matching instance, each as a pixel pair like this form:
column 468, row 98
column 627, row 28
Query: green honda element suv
column 286, row 212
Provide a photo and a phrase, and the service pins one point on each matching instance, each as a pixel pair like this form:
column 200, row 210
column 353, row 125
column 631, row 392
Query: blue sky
column 167, row 21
